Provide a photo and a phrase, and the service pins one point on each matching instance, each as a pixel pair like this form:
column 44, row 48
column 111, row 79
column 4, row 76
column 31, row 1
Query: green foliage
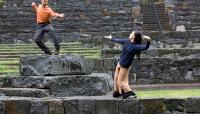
column 2, row 3
column 185, row 93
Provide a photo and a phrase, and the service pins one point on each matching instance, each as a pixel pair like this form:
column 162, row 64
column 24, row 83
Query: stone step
column 84, row 85
column 41, row 52
column 155, row 21
column 31, row 45
column 37, row 49
column 24, row 92
column 153, row 18
column 160, row 52
column 156, row 27
column 75, row 54
column 98, row 105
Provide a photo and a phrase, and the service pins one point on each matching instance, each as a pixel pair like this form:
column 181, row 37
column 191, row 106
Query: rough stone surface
column 71, row 106
column 56, row 107
column 86, row 106
column 129, row 107
column 36, row 65
column 17, row 107
column 155, row 70
column 25, row 92
column 98, row 105
column 93, row 84
column 152, row 106
column 39, row 107
column 106, row 106
column 2, row 107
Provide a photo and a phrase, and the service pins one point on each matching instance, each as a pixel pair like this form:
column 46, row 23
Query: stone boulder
column 94, row 84
column 45, row 65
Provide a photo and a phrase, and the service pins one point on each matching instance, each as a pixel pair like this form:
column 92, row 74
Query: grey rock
column 129, row 107
column 39, row 107
column 93, row 84
column 17, row 106
column 71, row 105
column 42, row 65
column 56, row 107
column 106, row 106
column 192, row 105
column 86, row 106
column 2, row 107
column 25, row 92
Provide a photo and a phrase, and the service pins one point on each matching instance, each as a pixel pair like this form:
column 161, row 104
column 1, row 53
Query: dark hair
column 138, row 40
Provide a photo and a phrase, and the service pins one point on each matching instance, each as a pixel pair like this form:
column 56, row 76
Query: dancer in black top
column 131, row 47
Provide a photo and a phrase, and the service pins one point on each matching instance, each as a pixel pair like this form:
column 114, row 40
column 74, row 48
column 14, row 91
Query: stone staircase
column 56, row 76
column 151, row 20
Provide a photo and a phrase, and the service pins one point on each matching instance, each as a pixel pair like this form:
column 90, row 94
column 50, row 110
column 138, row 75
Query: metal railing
column 157, row 16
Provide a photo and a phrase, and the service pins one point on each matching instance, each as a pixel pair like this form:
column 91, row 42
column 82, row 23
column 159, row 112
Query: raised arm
column 139, row 47
column 143, row 47
column 117, row 40
column 54, row 14
column 34, row 7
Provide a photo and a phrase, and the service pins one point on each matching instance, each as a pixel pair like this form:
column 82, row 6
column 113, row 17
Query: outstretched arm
column 34, row 7
column 56, row 15
column 117, row 40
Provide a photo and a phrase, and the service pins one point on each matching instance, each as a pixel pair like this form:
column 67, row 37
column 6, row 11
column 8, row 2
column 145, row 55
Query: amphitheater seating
column 10, row 54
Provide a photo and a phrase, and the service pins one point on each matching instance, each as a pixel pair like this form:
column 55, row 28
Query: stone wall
column 189, row 39
column 98, row 105
column 154, row 70
column 187, row 14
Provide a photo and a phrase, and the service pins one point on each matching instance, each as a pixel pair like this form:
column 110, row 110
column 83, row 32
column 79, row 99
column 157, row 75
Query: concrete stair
column 150, row 21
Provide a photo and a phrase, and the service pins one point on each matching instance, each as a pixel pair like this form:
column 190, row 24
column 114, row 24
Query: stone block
column 43, row 65
column 39, row 107
column 93, row 84
column 175, row 104
column 152, row 106
column 86, row 106
column 71, row 105
column 17, row 106
column 25, row 92
column 2, row 107
column 192, row 105
column 106, row 106
column 129, row 107
column 56, row 107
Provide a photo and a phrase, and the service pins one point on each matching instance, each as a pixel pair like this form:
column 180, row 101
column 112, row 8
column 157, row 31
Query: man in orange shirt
column 44, row 15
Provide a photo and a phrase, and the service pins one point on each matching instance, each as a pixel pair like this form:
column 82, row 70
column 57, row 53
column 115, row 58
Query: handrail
column 158, row 19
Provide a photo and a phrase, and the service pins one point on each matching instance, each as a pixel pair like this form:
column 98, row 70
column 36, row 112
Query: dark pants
column 40, row 30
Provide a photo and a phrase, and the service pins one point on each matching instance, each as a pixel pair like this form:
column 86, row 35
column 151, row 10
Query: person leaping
column 44, row 15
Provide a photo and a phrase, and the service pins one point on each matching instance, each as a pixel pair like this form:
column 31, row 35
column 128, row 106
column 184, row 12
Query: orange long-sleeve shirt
column 44, row 14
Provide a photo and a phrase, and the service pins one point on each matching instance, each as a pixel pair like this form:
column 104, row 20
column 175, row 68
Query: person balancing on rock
column 44, row 16
column 131, row 47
